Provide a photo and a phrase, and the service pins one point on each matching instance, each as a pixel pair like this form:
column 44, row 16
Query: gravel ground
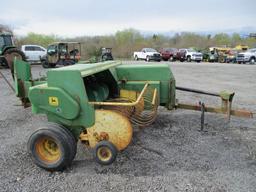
column 169, row 155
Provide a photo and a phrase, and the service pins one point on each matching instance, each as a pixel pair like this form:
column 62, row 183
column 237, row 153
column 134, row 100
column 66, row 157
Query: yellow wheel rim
column 104, row 153
column 48, row 150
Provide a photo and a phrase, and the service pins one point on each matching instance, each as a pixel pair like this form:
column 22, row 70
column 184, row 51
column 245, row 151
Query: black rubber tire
column 136, row 58
column 69, row 137
column 104, row 58
column 67, row 63
column 63, row 144
column 188, row 59
column 147, row 59
column 108, row 145
column 45, row 64
column 15, row 50
column 52, row 65
column 4, row 63
column 252, row 61
column 11, row 51
column 171, row 59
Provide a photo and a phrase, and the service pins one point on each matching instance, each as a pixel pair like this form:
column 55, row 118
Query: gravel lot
column 170, row 155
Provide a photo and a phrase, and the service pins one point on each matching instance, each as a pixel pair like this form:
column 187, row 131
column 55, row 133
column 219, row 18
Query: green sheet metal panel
column 90, row 69
column 22, row 76
column 53, row 100
column 72, row 82
column 142, row 72
column 150, row 72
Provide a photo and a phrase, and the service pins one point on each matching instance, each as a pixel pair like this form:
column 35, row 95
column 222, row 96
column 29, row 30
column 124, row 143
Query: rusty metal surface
column 109, row 125
column 238, row 113
column 226, row 104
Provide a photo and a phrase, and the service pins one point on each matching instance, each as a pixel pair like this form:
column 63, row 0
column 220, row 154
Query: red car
column 168, row 54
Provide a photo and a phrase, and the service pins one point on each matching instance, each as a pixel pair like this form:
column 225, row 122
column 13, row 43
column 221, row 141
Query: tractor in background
column 218, row 54
column 106, row 54
column 100, row 55
column 61, row 53
column 8, row 51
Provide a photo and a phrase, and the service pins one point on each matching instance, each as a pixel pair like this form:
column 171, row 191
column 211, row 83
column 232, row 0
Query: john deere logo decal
column 53, row 101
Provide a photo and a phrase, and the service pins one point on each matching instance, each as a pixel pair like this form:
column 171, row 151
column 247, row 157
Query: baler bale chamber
column 98, row 104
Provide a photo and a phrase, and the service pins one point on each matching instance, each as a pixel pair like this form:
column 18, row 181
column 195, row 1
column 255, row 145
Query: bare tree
column 5, row 28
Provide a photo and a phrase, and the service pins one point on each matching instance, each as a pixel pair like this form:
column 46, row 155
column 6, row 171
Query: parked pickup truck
column 169, row 54
column 147, row 54
column 190, row 55
column 248, row 56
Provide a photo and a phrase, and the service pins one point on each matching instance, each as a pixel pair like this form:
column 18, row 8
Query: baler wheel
column 105, row 153
column 49, row 149
column 69, row 137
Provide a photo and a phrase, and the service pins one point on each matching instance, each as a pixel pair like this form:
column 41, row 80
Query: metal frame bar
column 226, row 107
column 238, row 113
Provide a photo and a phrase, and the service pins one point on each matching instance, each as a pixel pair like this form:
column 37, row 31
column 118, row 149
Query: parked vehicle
column 106, row 54
column 8, row 51
column 168, row 54
column 147, row 54
column 247, row 57
column 241, row 48
column 61, row 53
column 209, row 56
column 189, row 55
column 33, row 53
column 181, row 55
column 231, row 56
column 193, row 55
column 219, row 54
column 213, row 56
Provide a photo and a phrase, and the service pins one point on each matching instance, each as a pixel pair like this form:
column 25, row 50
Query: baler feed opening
column 140, row 108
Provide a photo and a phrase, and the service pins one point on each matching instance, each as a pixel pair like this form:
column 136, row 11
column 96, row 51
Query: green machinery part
column 98, row 104
column 65, row 94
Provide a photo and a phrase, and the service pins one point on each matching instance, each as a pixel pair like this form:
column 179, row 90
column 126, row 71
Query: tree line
column 125, row 42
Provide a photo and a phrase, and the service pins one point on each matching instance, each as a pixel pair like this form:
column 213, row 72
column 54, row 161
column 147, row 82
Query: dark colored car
column 168, row 54
column 231, row 56
column 181, row 55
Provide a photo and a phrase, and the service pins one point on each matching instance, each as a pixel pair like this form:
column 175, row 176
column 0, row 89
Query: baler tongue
column 226, row 105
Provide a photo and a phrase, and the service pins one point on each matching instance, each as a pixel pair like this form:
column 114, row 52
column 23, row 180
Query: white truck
column 248, row 56
column 192, row 55
column 147, row 54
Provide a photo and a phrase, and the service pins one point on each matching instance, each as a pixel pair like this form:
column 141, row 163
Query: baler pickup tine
column 154, row 97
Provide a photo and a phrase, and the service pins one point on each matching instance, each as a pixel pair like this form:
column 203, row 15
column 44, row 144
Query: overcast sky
column 69, row 18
